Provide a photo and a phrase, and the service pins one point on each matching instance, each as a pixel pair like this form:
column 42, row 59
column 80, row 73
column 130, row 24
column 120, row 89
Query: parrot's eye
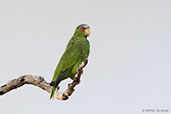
column 82, row 28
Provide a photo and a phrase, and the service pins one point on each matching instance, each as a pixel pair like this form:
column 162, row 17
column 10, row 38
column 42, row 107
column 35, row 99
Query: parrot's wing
column 71, row 54
column 67, row 61
column 69, row 58
column 62, row 76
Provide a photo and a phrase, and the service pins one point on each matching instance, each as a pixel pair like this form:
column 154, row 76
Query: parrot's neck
column 79, row 33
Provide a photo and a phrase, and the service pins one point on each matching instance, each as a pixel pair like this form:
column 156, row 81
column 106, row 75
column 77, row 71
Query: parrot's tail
column 53, row 92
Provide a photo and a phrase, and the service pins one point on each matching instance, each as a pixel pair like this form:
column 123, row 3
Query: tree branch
column 40, row 82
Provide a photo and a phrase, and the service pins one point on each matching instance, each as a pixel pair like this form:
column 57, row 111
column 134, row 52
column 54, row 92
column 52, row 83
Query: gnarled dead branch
column 40, row 82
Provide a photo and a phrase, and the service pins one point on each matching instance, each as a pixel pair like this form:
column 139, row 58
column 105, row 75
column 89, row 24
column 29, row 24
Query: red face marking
column 82, row 28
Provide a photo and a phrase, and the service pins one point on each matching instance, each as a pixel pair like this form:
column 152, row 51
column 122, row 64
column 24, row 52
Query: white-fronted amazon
column 75, row 53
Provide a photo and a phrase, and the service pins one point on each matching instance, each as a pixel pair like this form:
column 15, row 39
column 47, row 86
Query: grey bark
column 40, row 82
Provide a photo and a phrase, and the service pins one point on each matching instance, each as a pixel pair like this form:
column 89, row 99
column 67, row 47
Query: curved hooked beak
column 87, row 32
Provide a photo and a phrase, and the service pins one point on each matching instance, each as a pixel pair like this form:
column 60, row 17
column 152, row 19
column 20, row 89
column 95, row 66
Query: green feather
column 53, row 92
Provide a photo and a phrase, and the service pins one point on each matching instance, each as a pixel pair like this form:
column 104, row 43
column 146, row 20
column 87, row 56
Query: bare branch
column 41, row 83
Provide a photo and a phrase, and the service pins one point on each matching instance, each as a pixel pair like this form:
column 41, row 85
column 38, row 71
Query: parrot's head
column 83, row 29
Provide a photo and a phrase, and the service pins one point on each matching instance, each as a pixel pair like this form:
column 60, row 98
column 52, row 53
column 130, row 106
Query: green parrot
column 75, row 53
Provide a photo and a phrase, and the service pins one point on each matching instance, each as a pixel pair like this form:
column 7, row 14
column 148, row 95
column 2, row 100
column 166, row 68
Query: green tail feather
column 58, row 80
column 53, row 92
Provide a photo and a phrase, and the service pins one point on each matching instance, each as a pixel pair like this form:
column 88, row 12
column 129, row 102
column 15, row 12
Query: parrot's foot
column 82, row 64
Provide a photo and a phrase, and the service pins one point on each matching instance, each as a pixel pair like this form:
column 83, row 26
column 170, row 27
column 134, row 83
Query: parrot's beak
column 87, row 32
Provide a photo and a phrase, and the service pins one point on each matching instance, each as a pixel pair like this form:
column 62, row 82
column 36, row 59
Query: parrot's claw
column 82, row 65
column 77, row 71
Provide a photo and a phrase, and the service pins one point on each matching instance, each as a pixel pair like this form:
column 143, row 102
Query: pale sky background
column 129, row 65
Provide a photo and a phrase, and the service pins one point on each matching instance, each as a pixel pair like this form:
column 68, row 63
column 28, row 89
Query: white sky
column 129, row 64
